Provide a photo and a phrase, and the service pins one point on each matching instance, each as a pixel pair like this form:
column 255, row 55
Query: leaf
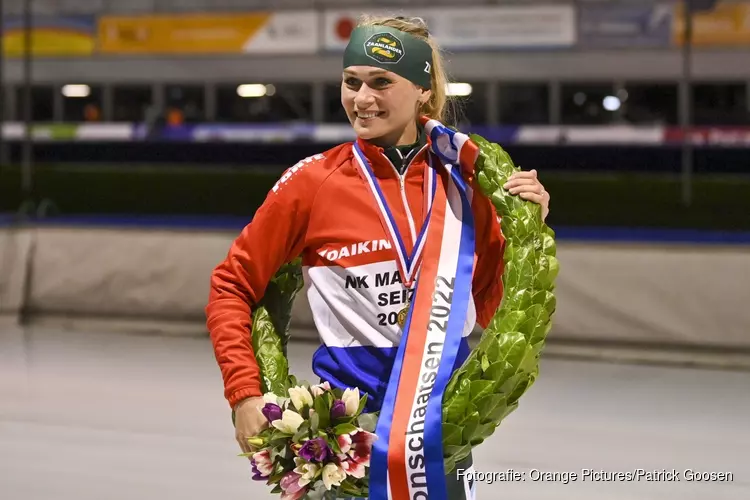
column 470, row 427
column 455, row 409
column 344, row 429
column 368, row 422
column 362, row 403
column 323, row 411
column 486, row 405
column 481, row 388
column 451, row 434
column 314, row 422
column 536, row 317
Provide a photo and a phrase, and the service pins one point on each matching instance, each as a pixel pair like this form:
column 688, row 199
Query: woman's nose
column 364, row 97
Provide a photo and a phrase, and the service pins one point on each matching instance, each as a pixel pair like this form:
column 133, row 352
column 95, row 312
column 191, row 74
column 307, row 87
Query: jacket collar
column 382, row 166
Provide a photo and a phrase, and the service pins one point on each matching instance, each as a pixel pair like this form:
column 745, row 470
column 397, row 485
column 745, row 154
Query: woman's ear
column 425, row 96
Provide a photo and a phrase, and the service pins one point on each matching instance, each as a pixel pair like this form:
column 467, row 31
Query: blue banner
column 602, row 26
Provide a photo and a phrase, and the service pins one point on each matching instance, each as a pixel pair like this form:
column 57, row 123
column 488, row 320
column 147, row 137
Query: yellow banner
column 727, row 24
column 50, row 36
column 179, row 34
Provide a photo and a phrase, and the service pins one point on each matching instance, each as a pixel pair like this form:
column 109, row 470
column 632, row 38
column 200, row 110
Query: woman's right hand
column 248, row 421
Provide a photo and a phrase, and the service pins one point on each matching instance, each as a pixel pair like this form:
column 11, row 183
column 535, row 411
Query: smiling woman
column 390, row 316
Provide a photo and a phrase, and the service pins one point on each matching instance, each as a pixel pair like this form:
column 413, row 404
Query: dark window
column 649, row 103
column 334, row 111
column 4, row 103
column 42, row 103
column 523, row 103
column 187, row 100
column 279, row 102
column 720, row 104
column 588, row 103
column 131, row 103
column 470, row 103
column 81, row 103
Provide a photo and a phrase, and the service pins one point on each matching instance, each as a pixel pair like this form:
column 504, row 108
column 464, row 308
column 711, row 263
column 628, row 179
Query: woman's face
column 379, row 103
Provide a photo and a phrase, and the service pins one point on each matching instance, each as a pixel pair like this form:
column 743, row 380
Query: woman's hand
column 527, row 186
column 248, row 421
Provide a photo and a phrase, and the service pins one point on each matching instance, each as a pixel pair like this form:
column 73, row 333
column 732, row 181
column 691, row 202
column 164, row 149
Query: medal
column 402, row 314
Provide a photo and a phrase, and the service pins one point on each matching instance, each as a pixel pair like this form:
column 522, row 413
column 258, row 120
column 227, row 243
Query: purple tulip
column 316, row 450
column 338, row 409
column 272, row 412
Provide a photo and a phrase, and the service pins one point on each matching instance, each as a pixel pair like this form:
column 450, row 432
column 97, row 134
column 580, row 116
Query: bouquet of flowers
column 317, row 445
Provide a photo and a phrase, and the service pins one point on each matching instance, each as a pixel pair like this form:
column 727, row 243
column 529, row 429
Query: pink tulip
column 353, row 468
column 290, row 483
column 361, row 450
column 293, row 496
column 345, row 442
column 262, row 460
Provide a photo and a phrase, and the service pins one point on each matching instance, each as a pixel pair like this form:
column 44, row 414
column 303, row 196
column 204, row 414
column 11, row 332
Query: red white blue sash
column 407, row 458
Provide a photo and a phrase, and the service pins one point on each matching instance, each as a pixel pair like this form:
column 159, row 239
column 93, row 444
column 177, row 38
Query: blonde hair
column 439, row 107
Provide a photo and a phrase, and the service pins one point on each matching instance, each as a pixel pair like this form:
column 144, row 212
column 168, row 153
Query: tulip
column 301, row 397
column 333, row 475
column 316, row 450
column 262, row 464
column 345, row 442
column 290, row 483
column 351, row 400
column 271, row 411
column 353, row 468
column 320, row 389
column 361, row 449
column 338, row 409
column 306, row 469
column 289, row 423
column 270, row 397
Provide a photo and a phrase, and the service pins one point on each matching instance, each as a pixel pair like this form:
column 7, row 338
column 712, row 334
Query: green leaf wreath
column 505, row 362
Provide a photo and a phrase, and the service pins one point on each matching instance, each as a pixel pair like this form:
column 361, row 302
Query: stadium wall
column 661, row 294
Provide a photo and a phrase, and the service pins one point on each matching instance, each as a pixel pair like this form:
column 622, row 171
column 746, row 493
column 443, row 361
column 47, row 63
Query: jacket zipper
column 404, row 201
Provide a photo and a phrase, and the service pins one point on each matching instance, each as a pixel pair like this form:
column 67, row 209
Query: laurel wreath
column 505, row 362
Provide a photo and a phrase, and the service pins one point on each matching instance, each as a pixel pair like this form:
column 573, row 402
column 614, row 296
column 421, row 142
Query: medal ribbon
column 407, row 264
column 407, row 458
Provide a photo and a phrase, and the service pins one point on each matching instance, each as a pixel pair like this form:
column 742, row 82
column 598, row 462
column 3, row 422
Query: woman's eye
column 382, row 82
column 352, row 82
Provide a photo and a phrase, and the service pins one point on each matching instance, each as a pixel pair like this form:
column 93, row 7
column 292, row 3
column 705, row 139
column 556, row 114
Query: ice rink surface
column 95, row 416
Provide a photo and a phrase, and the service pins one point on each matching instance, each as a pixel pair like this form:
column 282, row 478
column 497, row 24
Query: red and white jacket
column 322, row 209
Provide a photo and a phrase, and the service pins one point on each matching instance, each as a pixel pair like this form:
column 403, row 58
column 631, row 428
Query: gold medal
column 402, row 315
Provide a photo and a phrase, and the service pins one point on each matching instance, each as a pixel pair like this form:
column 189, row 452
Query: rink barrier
column 667, row 292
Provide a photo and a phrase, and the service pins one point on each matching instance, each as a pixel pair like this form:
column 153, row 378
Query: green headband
column 390, row 49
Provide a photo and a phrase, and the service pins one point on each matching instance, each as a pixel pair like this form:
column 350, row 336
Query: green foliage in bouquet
column 505, row 363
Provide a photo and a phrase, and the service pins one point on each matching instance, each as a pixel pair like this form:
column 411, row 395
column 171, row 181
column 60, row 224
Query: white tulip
column 270, row 397
column 320, row 389
column 289, row 423
column 333, row 475
column 307, row 470
column 301, row 397
column 351, row 400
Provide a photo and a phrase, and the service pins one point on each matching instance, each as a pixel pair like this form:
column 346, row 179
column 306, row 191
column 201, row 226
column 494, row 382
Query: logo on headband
column 384, row 48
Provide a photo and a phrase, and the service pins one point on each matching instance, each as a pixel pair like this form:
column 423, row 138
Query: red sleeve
column 275, row 236
column 490, row 245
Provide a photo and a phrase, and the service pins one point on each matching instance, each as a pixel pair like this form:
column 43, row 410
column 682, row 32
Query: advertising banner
column 616, row 26
column 292, row 32
column 51, row 36
column 472, row 28
column 727, row 25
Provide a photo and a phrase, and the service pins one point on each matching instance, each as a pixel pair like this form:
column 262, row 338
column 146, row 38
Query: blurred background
column 139, row 136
